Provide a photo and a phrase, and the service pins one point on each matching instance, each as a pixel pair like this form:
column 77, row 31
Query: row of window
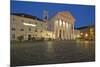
column 29, row 21
column 13, row 29
column 14, row 36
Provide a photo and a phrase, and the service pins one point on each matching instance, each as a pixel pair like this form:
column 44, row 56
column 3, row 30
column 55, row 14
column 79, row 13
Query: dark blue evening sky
column 83, row 14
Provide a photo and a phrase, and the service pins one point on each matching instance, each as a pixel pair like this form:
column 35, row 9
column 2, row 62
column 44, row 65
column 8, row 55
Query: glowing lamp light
column 27, row 24
column 86, row 35
column 81, row 33
column 78, row 36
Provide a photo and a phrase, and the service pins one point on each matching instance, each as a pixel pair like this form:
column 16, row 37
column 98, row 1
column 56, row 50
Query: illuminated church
column 62, row 26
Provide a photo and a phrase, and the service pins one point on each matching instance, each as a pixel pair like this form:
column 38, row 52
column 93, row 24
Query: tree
column 20, row 38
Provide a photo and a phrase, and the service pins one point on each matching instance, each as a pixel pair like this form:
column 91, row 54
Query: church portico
column 63, row 30
column 64, row 26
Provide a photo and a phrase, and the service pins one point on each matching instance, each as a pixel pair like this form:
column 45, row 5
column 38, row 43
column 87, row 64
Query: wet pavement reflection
column 50, row 52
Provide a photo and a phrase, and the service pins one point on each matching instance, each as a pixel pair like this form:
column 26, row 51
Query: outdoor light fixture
column 81, row 33
column 86, row 35
column 78, row 35
column 27, row 24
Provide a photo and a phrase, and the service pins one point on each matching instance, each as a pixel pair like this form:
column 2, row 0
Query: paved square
column 48, row 52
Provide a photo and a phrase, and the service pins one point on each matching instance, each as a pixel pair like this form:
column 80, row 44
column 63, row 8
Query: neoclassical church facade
column 62, row 26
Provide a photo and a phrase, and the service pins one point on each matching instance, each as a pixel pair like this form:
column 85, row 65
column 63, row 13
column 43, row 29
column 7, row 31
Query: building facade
column 87, row 32
column 77, row 34
column 26, row 26
column 62, row 26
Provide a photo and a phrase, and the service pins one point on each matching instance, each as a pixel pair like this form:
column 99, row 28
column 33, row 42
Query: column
column 73, row 32
column 62, row 30
column 65, row 30
column 72, row 35
column 57, row 30
column 70, row 30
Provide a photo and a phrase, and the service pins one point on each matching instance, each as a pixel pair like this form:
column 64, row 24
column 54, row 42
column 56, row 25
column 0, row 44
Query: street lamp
column 86, row 35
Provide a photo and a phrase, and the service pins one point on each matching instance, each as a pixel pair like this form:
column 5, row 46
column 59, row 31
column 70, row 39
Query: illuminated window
column 91, row 29
column 81, row 33
column 86, row 35
column 27, row 24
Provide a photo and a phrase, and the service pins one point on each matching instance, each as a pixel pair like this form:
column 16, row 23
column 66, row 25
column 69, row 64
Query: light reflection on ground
column 45, row 52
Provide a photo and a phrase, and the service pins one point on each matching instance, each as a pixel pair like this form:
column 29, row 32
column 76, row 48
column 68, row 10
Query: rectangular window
column 22, row 20
column 36, row 23
column 21, row 29
column 36, row 30
column 13, row 29
column 29, row 29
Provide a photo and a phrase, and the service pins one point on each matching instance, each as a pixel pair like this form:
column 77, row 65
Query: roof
column 84, row 27
column 66, row 14
column 27, row 16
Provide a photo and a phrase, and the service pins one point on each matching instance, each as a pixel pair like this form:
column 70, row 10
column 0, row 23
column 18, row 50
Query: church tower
column 45, row 15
